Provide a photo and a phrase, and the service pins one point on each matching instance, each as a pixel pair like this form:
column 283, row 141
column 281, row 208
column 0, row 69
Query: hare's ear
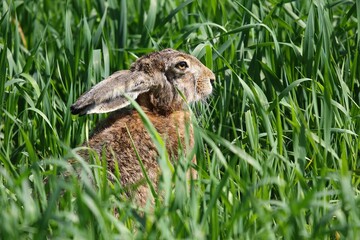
column 108, row 95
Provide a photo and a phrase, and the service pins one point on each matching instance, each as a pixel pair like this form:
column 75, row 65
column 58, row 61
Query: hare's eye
column 181, row 65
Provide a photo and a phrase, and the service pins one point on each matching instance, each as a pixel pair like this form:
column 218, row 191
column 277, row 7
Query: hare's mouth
column 204, row 89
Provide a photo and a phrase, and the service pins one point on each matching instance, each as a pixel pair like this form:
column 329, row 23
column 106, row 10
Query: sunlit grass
column 277, row 144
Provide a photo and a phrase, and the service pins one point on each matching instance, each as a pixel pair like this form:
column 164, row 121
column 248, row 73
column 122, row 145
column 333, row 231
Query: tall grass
column 277, row 143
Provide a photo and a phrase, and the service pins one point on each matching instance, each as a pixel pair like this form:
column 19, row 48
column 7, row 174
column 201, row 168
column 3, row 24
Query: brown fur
column 154, row 80
column 112, row 136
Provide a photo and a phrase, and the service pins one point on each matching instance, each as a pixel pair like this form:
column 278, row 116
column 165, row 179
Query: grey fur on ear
column 108, row 95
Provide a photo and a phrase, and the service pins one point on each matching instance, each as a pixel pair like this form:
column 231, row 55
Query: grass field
column 277, row 147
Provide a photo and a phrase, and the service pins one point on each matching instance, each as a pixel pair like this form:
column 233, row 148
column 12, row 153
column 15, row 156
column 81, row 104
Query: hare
column 155, row 81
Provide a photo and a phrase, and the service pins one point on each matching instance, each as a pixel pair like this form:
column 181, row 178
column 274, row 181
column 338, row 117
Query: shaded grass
column 278, row 146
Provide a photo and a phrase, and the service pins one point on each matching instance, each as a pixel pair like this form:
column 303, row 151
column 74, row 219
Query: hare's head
column 157, row 81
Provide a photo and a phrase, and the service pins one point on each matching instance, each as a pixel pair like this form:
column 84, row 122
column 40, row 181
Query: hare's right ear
column 108, row 95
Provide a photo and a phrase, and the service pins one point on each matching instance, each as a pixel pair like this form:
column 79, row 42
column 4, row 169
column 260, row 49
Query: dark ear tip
column 74, row 110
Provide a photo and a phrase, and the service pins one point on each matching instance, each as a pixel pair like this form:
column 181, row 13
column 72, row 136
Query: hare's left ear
column 108, row 95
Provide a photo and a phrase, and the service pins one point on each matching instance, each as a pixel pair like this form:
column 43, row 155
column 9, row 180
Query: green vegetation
column 278, row 145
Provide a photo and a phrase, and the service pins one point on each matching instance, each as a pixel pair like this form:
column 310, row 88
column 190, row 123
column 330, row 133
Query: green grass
column 277, row 146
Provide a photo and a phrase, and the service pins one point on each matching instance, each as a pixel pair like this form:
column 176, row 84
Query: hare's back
column 112, row 137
